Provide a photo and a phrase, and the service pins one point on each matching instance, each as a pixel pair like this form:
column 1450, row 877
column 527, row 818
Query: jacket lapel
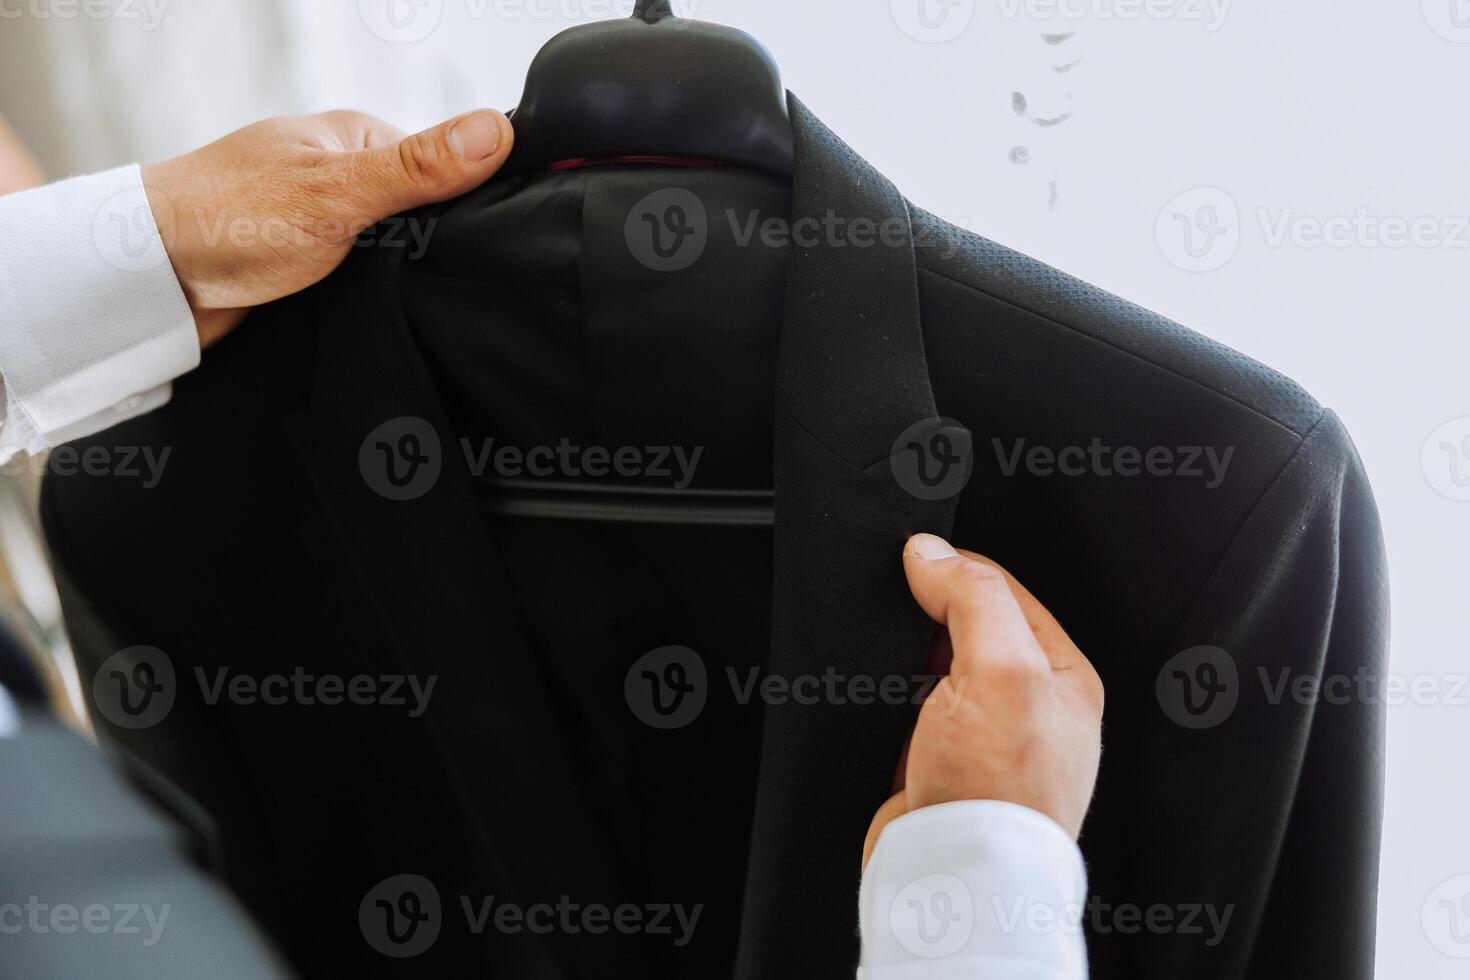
column 427, row 562
column 851, row 378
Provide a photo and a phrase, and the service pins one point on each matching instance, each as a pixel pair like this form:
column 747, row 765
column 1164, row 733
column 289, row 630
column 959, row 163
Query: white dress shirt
column 93, row 327
column 93, row 322
column 973, row 890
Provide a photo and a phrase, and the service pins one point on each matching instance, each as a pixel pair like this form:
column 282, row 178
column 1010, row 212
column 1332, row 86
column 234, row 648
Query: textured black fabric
column 264, row 546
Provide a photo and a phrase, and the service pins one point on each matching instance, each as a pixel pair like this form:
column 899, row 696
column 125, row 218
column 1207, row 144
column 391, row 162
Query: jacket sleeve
column 1275, row 691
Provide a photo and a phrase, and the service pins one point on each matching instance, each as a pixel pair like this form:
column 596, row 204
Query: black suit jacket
column 265, row 547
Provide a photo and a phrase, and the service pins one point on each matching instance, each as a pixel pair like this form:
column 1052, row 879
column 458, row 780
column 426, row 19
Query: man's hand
column 272, row 209
column 1020, row 716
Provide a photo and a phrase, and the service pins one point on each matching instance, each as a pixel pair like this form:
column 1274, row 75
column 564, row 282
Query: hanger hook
column 651, row 11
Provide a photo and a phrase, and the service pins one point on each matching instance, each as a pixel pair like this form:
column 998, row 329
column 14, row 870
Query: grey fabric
column 97, row 881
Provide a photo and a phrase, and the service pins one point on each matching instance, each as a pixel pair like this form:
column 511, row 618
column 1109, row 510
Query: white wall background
column 1342, row 117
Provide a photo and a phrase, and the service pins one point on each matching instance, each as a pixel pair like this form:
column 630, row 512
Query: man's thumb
column 435, row 165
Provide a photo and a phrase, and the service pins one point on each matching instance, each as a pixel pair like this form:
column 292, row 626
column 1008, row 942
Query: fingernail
column 476, row 136
column 931, row 547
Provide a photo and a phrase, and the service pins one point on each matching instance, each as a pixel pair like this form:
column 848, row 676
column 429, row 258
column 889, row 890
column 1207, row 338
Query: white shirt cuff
column 93, row 321
column 971, row 889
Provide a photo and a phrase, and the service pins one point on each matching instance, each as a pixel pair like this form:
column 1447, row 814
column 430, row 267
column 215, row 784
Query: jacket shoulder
column 1000, row 276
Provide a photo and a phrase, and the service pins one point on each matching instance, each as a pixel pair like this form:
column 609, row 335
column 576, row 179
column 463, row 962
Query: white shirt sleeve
column 973, row 890
column 93, row 322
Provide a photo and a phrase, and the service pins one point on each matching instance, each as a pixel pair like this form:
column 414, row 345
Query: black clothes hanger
column 659, row 89
column 627, row 505
column 653, row 85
